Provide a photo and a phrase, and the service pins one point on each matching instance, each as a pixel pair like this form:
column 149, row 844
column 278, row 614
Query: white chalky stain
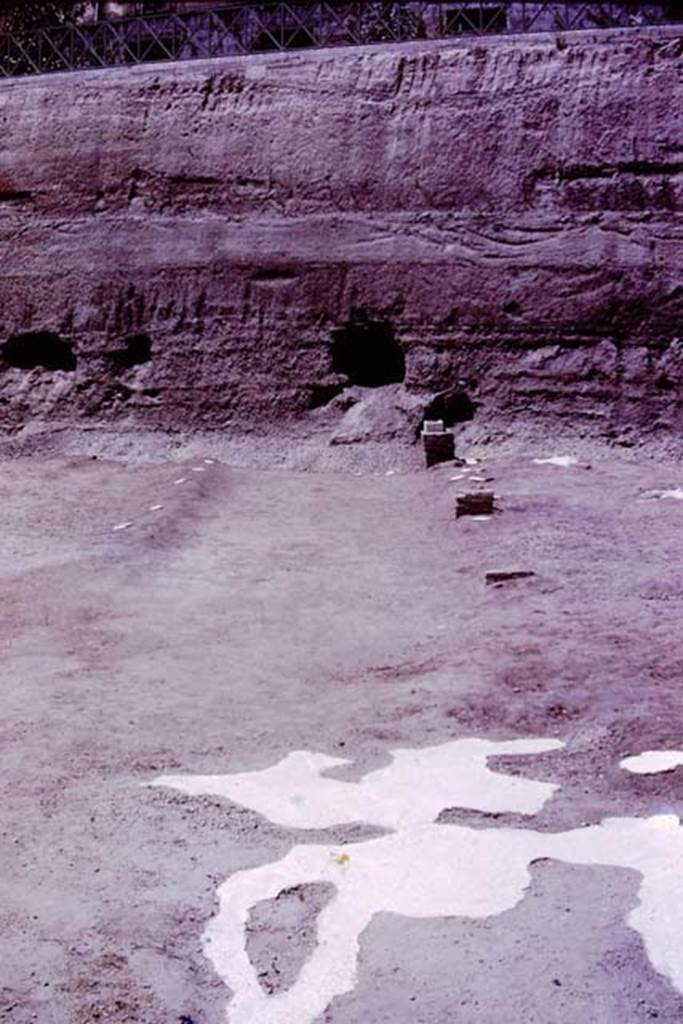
column 650, row 762
column 676, row 493
column 558, row 460
column 420, row 869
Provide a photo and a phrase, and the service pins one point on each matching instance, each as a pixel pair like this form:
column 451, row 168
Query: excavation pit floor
column 176, row 619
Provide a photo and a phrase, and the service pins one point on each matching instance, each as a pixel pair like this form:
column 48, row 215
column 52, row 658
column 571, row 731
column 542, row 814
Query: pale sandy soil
column 260, row 611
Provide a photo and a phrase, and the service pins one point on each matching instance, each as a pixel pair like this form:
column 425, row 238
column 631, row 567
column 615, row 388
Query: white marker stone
column 558, row 460
column 676, row 493
column 651, row 762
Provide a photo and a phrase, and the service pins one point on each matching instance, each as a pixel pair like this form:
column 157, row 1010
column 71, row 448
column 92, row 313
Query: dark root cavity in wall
column 39, row 349
column 323, row 393
column 367, row 353
column 452, row 406
column 135, row 351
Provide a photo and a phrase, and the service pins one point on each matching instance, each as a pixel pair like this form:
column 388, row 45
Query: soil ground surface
column 238, row 614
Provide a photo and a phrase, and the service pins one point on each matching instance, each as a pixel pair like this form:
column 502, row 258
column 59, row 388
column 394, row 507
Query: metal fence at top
column 248, row 28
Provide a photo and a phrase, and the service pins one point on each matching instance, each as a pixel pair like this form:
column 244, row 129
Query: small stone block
column 504, row 577
column 438, row 448
column 479, row 504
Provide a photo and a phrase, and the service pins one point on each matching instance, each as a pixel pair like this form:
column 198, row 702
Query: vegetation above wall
column 23, row 14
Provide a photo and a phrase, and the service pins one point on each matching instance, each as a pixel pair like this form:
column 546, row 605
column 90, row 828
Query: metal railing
column 248, row 28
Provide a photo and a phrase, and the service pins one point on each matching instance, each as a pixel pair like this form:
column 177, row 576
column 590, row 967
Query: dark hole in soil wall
column 137, row 350
column 39, row 348
column 322, row 394
column 664, row 383
column 368, row 354
column 275, row 274
column 452, row 407
column 14, row 196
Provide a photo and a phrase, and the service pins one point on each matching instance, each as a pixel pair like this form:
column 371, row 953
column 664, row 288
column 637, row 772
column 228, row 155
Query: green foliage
column 20, row 15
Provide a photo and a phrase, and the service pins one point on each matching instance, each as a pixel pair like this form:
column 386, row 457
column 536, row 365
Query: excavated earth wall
column 182, row 244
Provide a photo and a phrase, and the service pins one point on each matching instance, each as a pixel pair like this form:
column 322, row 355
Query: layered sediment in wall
column 215, row 243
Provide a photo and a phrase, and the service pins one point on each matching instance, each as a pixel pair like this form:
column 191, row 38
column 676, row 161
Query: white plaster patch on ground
column 558, row 460
column 654, row 847
column 420, row 869
column 412, row 790
column 650, row 762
